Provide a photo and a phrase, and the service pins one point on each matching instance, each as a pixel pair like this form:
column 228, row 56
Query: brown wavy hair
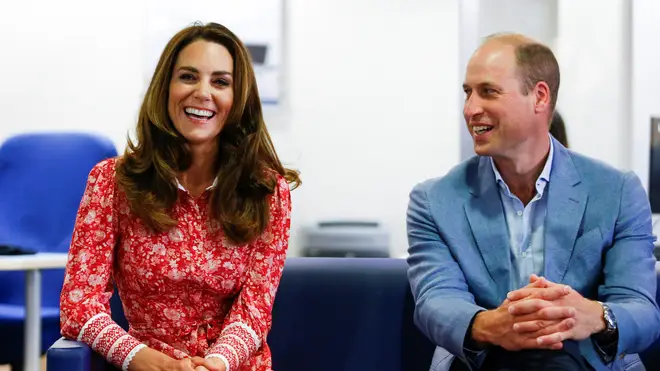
column 246, row 162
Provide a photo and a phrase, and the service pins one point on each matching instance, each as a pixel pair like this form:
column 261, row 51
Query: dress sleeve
column 88, row 287
column 248, row 322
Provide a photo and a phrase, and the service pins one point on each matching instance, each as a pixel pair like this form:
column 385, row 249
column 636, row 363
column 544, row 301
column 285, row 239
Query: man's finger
column 531, row 326
column 537, row 281
column 528, row 306
column 546, row 293
column 523, row 293
column 562, row 326
column 532, row 343
column 543, row 327
column 554, row 293
column 556, row 346
column 553, row 338
column 549, row 314
column 557, row 313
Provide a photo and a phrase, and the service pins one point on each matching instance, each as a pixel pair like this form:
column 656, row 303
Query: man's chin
column 482, row 150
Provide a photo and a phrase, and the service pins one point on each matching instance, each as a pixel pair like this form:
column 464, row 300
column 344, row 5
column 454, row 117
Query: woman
column 191, row 224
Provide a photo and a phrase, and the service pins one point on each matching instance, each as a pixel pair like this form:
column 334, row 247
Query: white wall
column 480, row 18
column 371, row 92
column 592, row 42
column 534, row 18
column 70, row 65
column 593, row 49
column 373, row 105
column 371, row 101
column 645, row 81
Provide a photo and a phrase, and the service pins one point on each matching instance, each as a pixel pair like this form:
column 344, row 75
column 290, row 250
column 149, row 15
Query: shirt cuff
column 111, row 341
column 606, row 348
column 473, row 353
column 475, row 358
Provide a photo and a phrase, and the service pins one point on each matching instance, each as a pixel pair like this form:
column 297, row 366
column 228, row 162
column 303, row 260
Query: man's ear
column 542, row 97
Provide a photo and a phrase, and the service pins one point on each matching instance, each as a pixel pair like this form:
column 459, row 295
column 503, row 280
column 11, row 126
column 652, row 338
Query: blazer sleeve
column 444, row 307
column 629, row 285
column 249, row 320
column 87, row 289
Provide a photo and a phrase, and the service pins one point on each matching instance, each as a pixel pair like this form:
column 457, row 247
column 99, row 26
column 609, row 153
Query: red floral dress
column 186, row 292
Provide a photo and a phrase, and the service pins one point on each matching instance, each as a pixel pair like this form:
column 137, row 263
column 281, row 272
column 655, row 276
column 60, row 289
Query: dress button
column 524, row 254
column 520, row 213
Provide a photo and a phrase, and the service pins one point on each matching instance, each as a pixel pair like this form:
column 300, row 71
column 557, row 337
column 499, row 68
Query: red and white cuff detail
column 235, row 344
column 110, row 340
column 247, row 335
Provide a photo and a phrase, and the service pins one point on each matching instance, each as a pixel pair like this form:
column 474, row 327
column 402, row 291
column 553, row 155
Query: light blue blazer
column 598, row 240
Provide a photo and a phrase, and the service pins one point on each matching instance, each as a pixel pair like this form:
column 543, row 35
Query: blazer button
column 622, row 355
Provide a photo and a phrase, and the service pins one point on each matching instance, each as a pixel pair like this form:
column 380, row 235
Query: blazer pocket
column 587, row 253
column 589, row 238
column 633, row 364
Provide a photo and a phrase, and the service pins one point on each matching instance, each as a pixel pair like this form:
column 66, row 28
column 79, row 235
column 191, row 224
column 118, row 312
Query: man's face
column 498, row 115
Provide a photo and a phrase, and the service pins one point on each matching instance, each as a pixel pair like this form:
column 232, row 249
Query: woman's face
column 201, row 91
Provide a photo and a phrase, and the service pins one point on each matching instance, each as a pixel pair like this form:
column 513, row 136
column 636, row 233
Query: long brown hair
column 246, row 162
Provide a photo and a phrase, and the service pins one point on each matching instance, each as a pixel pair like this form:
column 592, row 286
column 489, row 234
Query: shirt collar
column 180, row 186
column 544, row 176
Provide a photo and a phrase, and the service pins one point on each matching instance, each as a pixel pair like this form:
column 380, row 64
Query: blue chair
column 330, row 314
column 651, row 356
column 42, row 180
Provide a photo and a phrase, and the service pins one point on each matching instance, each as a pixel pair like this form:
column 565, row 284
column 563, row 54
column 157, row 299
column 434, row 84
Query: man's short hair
column 535, row 61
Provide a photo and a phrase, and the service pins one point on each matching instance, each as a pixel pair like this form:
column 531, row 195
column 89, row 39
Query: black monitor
column 654, row 166
column 258, row 53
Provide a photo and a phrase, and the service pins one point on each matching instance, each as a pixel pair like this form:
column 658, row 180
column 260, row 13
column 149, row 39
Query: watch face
column 609, row 319
column 610, row 325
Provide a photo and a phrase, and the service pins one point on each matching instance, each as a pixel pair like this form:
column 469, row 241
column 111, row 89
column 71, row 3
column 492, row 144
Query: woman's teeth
column 199, row 113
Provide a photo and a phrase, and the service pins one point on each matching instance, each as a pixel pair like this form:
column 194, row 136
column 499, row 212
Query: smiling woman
column 201, row 93
column 191, row 223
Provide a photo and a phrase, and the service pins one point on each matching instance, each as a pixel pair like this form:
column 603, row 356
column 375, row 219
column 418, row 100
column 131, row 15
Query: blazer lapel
column 488, row 224
column 566, row 204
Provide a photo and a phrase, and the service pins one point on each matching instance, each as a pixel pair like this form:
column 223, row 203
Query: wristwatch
column 610, row 320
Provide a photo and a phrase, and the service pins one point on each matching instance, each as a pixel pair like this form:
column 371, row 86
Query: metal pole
column 32, row 341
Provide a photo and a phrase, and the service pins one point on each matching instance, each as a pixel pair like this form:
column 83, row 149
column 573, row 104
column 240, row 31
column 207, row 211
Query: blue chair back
column 42, row 180
column 354, row 314
column 651, row 356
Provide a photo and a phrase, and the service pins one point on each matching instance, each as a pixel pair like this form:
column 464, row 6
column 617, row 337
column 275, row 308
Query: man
column 529, row 256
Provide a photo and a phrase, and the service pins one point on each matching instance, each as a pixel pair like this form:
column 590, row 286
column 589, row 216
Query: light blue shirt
column 526, row 226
